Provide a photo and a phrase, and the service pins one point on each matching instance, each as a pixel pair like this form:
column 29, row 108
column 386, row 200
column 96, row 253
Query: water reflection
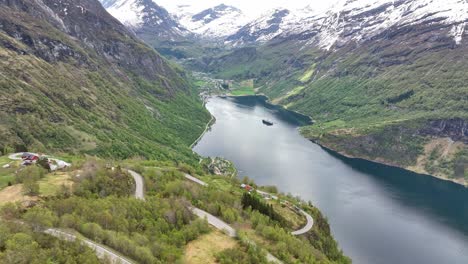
column 378, row 214
column 421, row 192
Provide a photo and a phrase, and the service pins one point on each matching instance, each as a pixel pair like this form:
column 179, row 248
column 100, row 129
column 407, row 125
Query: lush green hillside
column 401, row 99
column 98, row 204
column 21, row 245
column 94, row 89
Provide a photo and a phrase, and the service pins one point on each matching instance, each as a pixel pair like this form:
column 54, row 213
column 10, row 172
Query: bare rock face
column 456, row 129
column 80, row 32
column 211, row 14
column 260, row 29
column 145, row 17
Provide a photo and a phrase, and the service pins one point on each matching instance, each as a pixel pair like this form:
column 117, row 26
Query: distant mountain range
column 347, row 20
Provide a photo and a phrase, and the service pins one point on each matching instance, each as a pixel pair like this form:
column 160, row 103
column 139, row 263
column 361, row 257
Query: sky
column 249, row 7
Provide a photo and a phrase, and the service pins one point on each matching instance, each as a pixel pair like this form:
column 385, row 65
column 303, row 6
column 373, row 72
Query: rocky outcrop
column 211, row 14
column 456, row 129
column 65, row 31
column 259, row 29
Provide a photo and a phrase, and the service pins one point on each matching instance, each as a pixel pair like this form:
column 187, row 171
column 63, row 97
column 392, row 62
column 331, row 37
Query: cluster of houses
column 53, row 164
column 29, row 158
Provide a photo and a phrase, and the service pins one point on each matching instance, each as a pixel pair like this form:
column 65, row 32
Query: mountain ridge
column 340, row 22
column 347, row 22
column 214, row 23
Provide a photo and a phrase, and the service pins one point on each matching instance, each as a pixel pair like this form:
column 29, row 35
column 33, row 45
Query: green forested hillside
column 94, row 89
column 99, row 205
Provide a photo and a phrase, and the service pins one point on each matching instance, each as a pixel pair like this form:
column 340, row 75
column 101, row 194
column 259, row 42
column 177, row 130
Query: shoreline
column 284, row 108
column 360, row 158
column 208, row 126
column 347, row 156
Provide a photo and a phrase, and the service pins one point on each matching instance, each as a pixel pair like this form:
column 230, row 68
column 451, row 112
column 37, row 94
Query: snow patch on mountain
column 355, row 20
column 128, row 12
column 217, row 22
column 261, row 29
column 457, row 32
column 145, row 17
column 344, row 21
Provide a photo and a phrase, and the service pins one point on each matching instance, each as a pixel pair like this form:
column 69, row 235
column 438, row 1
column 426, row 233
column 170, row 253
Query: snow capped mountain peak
column 263, row 28
column 358, row 20
column 216, row 22
column 225, row 8
column 355, row 20
column 128, row 12
column 145, row 16
column 340, row 22
column 211, row 14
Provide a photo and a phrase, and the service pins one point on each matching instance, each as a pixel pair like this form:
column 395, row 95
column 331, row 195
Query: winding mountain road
column 101, row 251
column 17, row 156
column 220, row 224
column 305, row 229
column 115, row 258
column 139, row 185
column 215, row 221
column 195, row 180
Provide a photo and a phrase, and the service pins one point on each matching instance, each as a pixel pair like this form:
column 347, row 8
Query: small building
column 29, row 157
column 247, row 187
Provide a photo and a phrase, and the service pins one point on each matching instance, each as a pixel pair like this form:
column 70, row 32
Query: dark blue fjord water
column 378, row 214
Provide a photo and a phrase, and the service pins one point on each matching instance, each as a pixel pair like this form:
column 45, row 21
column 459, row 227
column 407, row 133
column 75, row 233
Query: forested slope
column 74, row 79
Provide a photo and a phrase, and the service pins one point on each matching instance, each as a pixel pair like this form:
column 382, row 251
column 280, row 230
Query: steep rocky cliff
column 455, row 129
